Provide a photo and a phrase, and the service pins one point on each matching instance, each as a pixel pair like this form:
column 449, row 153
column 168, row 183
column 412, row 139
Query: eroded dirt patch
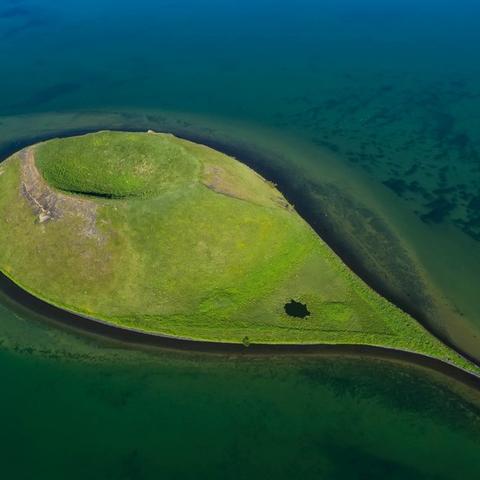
column 221, row 181
column 49, row 204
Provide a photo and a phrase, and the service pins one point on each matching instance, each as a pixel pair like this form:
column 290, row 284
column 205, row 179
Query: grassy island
column 150, row 232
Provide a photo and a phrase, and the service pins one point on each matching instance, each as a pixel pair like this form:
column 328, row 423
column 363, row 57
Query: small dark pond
column 296, row 309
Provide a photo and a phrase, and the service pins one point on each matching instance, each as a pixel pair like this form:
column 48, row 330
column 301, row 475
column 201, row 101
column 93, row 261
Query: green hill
column 150, row 232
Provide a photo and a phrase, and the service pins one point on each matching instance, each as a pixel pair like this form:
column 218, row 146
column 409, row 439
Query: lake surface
column 75, row 406
column 367, row 114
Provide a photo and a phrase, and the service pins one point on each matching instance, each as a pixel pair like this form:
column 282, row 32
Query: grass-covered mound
column 150, row 232
column 124, row 164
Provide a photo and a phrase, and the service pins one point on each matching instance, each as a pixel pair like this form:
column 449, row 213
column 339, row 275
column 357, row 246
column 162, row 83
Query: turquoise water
column 367, row 114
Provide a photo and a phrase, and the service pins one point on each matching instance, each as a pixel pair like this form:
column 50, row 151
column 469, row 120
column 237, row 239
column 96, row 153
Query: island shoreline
column 124, row 334
column 89, row 325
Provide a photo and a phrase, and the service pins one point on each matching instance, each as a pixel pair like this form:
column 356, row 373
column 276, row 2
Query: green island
column 153, row 233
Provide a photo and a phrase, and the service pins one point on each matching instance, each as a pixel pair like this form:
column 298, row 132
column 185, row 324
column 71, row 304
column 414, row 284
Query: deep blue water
column 368, row 113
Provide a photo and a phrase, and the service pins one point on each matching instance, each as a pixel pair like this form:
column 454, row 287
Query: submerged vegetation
column 150, row 232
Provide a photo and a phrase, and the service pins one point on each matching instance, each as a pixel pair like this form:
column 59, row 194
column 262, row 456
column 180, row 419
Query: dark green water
column 367, row 113
column 80, row 407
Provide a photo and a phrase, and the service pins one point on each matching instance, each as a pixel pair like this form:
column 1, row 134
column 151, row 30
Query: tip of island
column 160, row 235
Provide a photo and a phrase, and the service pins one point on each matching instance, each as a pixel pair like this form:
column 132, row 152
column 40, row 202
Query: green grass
column 201, row 247
column 136, row 165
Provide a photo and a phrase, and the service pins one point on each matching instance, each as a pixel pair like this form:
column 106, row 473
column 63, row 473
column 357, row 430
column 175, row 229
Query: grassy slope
column 172, row 256
column 138, row 165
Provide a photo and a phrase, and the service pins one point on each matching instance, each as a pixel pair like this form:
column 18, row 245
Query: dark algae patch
column 406, row 137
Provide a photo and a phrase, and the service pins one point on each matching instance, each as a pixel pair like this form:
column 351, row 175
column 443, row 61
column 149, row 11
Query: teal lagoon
column 367, row 111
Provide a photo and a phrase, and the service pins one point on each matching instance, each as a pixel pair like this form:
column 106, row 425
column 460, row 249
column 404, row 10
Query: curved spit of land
column 154, row 237
column 90, row 326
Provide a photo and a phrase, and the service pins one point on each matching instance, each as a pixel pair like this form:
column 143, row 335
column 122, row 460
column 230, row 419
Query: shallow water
column 364, row 112
column 78, row 406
